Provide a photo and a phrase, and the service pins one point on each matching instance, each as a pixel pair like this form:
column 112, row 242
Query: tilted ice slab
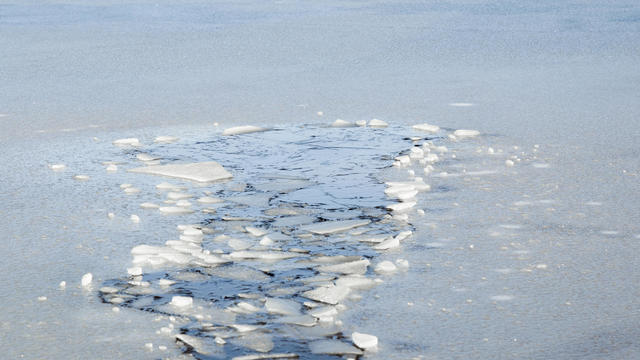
column 427, row 127
column 332, row 227
column 245, row 129
column 202, row 172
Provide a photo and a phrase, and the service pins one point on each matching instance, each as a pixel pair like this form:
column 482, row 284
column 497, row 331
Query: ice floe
column 364, row 341
column 245, row 129
column 127, row 142
column 332, row 227
column 202, row 172
column 427, row 127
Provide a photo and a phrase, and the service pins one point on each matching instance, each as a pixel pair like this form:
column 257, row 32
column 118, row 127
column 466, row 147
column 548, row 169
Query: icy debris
column 361, row 123
column 183, row 203
column 364, row 341
column 112, row 168
column 385, row 267
column 63, row 284
column 146, row 157
column 502, row 297
column 239, row 244
column 111, row 215
column 165, row 139
column 255, row 231
column 109, row 290
column 302, row 320
column 333, row 347
column 266, row 241
column 173, row 195
column 81, row 177
column 182, row 301
column 244, row 308
column 168, row 186
column 193, row 342
column 201, row 172
column 220, row 341
column 42, row 298
column 431, row 158
column 148, row 205
column 376, row 123
column 461, row 104
column 86, row 279
column 209, row 200
column 165, row 282
column 134, row 271
column 403, row 160
column 131, row 190
column 254, row 200
column 388, row 244
column 266, row 356
column 244, row 327
column 282, row 306
column 57, row 167
column 324, row 313
column 135, row 219
column 463, row 133
column 358, row 282
column 245, row 129
column 175, row 210
column 127, row 142
column 331, row 294
column 403, row 206
column 509, row 163
column 353, row 267
column 264, row 255
column 341, row 123
column 427, row 127
column 402, row 264
column 260, row 342
column 332, row 227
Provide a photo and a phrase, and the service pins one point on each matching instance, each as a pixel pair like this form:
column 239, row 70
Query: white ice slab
column 427, row 127
column 244, row 129
column 328, row 294
column 282, row 306
column 333, row 347
column 352, row 267
column 332, row 227
column 201, row 172
column 127, row 142
column 165, row 139
column 364, row 341
column 377, row 123
column 464, row 133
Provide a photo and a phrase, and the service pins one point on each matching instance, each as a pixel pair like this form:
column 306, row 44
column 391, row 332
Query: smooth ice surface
column 427, row 127
column 203, row 172
column 330, row 227
column 245, row 129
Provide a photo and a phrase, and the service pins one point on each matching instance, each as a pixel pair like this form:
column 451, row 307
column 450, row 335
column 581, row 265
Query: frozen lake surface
column 524, row 237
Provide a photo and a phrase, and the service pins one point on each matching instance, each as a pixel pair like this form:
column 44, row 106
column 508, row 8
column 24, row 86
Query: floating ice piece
column 244, row 129
column 172, row 195
column 266, row 241
column 302, row 320
column 404, row 160
column 111, row 215
column 209, row 200
column 182, row 301
column 244, row 327
column 377, row 123
column 239, row 244
column 255, row 341
column 265, row 255
column 282, row 306
column 431, row 158
column 463, row 133
column 356, row 282
column 167, row 186
column 502, row 297
column 407, row 195
column 255, row 231
column 461, row 104
column 324, row 313
column 402, row 264
column 175, row 210
column 267, row 356
column 86, row 279
column 332, row 227
column 509, row 163
column 193, row 342
column 165, row 139
column 127, row 142
column 333, row 347
column 331, row 294
column 112, row 168
column 63, row 284
column 388, row 244
column 109, row 290
column 183, row 203
column 403, row 206
column 385, row 267
column 42, row 298
column 361, row 123
column 364, row 341
column 131, row 190
column 201, row 172
column 254, row 200
column 427, row 127
column 148, row 205
column 146, row 157
column 416, row 153
column 353, row 267
column 134, row 271
column 404, row 234
column 81, row 177
column 341, row 123
column 135, row 219
column 57, row 167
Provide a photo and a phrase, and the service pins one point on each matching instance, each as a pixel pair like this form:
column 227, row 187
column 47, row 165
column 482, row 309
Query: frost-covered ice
column 331, row 227
column 427, row 127
column 364, row 341
column 127, row 142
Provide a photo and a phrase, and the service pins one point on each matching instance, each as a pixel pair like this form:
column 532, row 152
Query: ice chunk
column 134, row 271
column 42, row 298
column 332, row 227
column 265, row 255
column 385, row 267
column 183, row 203
column 509, row 163
column 353, row 267
column 282, row 306
column 341, row 123
column 209, row 200
column 244, row 129
column 172, row 195
column 201, row 172
column 427, row 127
column 356, row 282
column 193, row 342
column 146, row 157
column 182, row 301
column 502, row 298
column 331, row 294
column 254, row 200
column 364, row 341
column 302, row 320
column 127, row 142
column 238, row 244
column 112, row 168
column 131, row 190
column 255, row 341
column 175, row 210
column 361, row 123
column 403, row 206
column 402, row 264
column 165, row 139
column 333, row 347
column 81, row 177
column 148, row 205
column 63, row 284
column 463, row 133
column 57, row 167
column 377, row 123
column 461, row 104
column 86, row 279
column 266, row 356
column 135, row 219
column 388, row 244
column 255, row 231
